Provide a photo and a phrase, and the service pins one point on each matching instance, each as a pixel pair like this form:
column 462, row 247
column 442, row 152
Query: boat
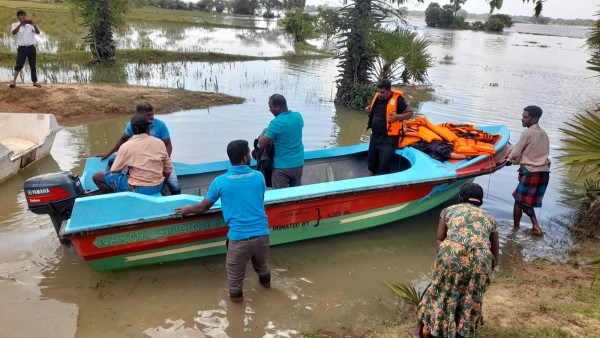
column 126, row 229
column 24, row 139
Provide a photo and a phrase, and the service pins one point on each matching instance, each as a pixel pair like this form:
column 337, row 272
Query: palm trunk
column 357, row 58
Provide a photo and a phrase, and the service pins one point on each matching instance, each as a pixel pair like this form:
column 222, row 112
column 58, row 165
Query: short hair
column 236, row 150
column 534, row 111
column 471, row 193
column 139, row 124
column 20, row 11
column 384, row 84
column 144, row 108
column 278, row 100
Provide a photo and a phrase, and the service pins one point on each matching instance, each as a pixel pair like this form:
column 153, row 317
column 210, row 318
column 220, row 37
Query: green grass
column 521, row 331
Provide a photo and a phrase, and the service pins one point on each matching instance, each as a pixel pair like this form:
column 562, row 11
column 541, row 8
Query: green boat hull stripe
column 373, row 214
column 173, row 251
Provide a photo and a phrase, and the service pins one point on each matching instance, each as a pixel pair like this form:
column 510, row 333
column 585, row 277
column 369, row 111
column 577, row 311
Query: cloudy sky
column 566, row 9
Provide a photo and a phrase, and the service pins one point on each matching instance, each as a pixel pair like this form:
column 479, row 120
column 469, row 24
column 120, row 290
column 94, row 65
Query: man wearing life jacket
column 386, row 113
column 531, row 153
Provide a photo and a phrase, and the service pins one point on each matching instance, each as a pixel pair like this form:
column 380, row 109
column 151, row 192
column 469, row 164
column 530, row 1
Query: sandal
column 37, row 85
column 12, row 85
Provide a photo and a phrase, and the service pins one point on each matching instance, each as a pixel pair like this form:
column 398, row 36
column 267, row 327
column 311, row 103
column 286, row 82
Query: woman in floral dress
column 467, row 241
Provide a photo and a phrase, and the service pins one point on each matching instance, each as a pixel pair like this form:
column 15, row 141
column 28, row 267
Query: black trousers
column 29, row 53
column 381, row 153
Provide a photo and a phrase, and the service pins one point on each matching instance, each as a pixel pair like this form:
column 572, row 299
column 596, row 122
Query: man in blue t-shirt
column 241, row 190
column 159, row 130
column 285, row 134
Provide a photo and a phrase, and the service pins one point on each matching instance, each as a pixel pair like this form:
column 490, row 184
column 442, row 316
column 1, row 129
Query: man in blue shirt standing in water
column 241, row 190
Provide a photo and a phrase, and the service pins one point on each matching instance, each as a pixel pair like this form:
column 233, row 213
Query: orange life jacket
column 469, row 132
column 393, row 129
column 472, row 147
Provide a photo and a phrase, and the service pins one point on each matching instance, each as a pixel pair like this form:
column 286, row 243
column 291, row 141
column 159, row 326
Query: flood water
column 327, row 283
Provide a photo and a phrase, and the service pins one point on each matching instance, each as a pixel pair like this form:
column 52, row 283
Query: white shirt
column 25, row 35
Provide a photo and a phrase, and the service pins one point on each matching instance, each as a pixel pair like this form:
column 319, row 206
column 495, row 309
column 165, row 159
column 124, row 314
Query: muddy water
column 324, row 283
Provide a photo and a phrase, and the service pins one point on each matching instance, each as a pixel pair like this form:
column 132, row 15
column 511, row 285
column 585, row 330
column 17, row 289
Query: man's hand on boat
column 197, row 208
column 183, row 211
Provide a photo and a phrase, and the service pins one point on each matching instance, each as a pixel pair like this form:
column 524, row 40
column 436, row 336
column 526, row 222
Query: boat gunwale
column 280, row 202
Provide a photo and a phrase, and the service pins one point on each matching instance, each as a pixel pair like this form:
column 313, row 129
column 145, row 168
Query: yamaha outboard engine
column 53, row 194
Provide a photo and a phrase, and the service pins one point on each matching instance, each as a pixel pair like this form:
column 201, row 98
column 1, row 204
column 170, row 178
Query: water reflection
column 186, row 38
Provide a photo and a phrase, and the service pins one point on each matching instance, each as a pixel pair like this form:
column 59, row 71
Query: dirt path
column 73, row 103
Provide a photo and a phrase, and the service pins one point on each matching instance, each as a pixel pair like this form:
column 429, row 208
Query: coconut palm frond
column 407, row 292
column 581, row 152
column 582, row 145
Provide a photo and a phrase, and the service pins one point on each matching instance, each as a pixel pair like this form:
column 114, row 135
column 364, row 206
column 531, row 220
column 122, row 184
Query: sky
column 566, row 9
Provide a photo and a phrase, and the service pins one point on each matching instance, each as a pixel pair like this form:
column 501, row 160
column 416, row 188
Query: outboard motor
column 53, row 194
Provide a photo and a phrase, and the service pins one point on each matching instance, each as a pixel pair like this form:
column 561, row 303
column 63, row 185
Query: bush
column 478, row 26
column 433, row 14
column 459, row 23
column 329, row 22
column 301, row 24
column 497, row 23
column 360, row 95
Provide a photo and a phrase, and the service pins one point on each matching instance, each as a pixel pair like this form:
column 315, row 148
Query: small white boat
column 24, row 139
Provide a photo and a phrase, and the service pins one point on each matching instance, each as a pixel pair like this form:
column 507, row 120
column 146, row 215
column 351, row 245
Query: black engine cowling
column 53, row 194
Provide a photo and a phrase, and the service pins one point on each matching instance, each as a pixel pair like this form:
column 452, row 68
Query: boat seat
column 18, row 145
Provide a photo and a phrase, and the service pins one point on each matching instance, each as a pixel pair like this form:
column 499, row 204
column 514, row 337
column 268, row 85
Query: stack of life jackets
column 465, row 138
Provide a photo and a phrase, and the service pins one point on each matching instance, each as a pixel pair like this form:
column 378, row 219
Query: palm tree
column 594, row 44
column 101, row 17
column 358, row 55
column 401, row 51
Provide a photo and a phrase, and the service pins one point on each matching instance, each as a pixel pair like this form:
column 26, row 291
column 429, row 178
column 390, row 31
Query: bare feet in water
column 536, row 232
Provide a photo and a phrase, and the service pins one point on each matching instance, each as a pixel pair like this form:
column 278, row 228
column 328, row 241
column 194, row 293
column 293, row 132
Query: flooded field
column 326, row 283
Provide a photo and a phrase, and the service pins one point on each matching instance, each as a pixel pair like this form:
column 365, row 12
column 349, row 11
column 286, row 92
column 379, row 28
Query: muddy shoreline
column 76, row 103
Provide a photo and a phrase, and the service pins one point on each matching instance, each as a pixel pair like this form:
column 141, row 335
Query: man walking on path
column 25, row 31
column 242, row 191
column 531, row 153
